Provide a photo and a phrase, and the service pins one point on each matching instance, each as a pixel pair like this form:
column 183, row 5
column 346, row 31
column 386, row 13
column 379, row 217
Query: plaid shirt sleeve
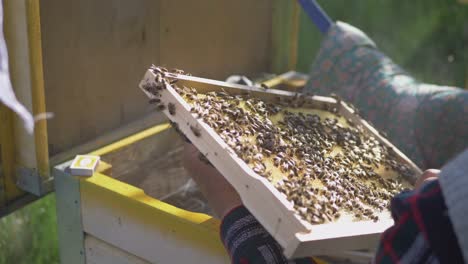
column 249, row 243
column 422, row 232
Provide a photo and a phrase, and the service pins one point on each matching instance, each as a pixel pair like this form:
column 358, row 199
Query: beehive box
column 317, row 176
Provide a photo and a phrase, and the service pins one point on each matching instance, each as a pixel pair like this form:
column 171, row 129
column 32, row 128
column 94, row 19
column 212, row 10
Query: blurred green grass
column 29, row 235
column 427, row 37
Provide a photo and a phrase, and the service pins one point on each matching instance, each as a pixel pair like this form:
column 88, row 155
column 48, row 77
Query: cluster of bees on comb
column 325, row 166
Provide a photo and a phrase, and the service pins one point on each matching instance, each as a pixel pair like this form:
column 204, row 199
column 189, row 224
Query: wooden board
column 126, row 218
column 95, row 50
column 131, row 128
column 276, row 214
column 201, row 36
column 100, row 252
column 92, row 53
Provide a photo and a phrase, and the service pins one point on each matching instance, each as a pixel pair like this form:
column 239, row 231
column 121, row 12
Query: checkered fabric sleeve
column 422, row 232
column 249, row 243
column 429, row 123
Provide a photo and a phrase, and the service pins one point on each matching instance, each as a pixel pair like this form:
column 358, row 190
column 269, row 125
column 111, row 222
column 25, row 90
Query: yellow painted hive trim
column 155, row 212
column 37, row 86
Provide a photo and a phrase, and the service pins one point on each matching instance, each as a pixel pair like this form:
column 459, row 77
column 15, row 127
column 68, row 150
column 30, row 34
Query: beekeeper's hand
column 427, row 175
column 221, row 196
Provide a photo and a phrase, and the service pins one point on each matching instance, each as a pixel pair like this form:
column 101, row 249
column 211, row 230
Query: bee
column 158, row 78
column 258, row 156
column 160, row 107
column 196, row 131
column 151, row 88
column 177, row 71
column 172, row 108
column 204, row 159
column 154, row 101
column 158, row 70
column 257, row 170
column 337, row 98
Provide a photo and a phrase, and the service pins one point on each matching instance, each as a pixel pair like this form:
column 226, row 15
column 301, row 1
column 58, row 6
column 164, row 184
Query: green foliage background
column 29, row 235
column 429, row 38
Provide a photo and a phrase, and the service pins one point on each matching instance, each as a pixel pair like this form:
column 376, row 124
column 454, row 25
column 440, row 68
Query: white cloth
column 454, row 184
column 7, row 96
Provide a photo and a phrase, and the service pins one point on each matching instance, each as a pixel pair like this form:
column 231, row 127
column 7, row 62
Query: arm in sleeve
column 429, row 123
column 247, row 242
column 422, row 232
column 442, row 126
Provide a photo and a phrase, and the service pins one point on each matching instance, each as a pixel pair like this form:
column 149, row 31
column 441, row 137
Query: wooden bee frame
column 298, row 237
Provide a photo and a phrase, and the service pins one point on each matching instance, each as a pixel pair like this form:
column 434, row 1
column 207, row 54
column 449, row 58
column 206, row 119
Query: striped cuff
column 248, row 242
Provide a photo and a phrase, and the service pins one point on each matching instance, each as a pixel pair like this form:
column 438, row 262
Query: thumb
column 427, row 175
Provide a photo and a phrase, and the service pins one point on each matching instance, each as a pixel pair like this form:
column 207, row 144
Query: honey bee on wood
column 158, row 78
column 163, row 69
column 204, row 159
column 151, row 88
column 177, row 71
column 196, row 131
column 160, row 107
column 172, row 108
column 154, row 101
column 337, row 98
column 158, row 70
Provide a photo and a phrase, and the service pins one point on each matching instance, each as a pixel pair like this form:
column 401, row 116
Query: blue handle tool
column 316, row 14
